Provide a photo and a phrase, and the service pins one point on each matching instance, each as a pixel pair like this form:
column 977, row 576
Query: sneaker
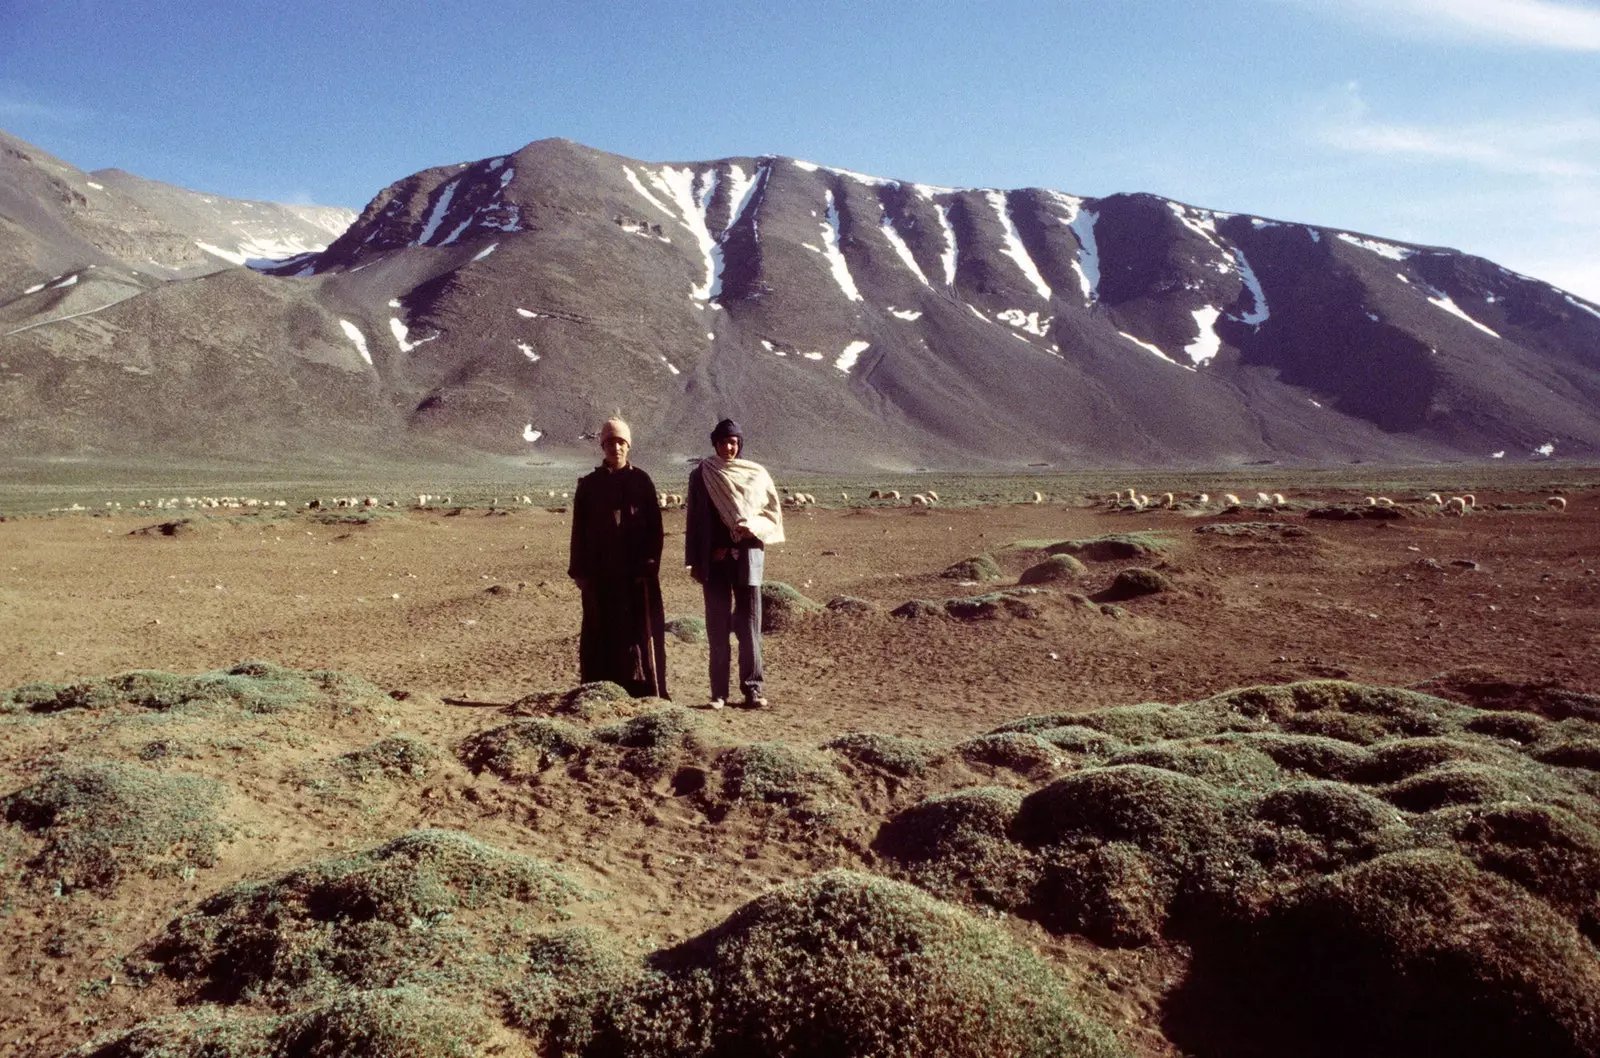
column 715, row 703
column 755, row 702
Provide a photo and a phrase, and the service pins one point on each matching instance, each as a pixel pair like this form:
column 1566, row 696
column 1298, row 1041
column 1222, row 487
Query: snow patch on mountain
column 1208, row 343
column 831, row 252
column 901, row 250
column 633, row 178
column 852, row 352
column 1149, row 348
column 1259, row 313
column 357, row 338
column 402, row 335
column 528, row 351
column 905, row 314
column 1025, row 321
column 850, row 174
column 1081, row 223
column 1547, row 449
column 481, row 254
column 1443, row 301
column 949, row 255
column 530, row 435
column 1013, row 247
column 1382, row 249
column 1585, row 306
column 441, row 207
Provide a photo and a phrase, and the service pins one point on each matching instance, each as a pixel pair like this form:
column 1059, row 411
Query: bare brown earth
column 455, row 613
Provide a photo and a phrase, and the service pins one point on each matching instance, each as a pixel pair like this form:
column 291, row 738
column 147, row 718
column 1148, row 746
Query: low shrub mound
column 523, row 748
column 1367, row 712
column 782, row 606
column 888, row 754
column 844, row 965
column 773, row 773
column 253, row 686
column 1254, row 530
column 657, row 742
column 1052, row 569
column 1233, row 763
column 918, row 608
column 404, row 758
column 1133, row 582
column 374, row 920
column 850, row 604
column 687, row 629
column 570, row 976
column 1121, row 547
column 104, row 823
column 588, row 702
column 1413, row 953
column 1016, row 751
column 980, row 568
column 958, row 846
column 1174, row 816
column 1354, row 512
column 392, row 1022
column 990, row 607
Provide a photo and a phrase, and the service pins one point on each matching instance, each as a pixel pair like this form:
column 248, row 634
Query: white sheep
column 1456, row 505
column 1263, row 500
column 1435, row 498
column 1202, row 497
column 1168, row 500
column 1038, row 497
column 1278, row 500
column 1556, row 503
column 1230, row 499
column 1372, row 501
column 934, row 496
column 875, row 494
column 919, row 500
column 1469, row 499
column 892, row 494
column 1384, row 501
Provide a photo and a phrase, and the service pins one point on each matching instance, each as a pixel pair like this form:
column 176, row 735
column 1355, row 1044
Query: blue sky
column 1465, row 123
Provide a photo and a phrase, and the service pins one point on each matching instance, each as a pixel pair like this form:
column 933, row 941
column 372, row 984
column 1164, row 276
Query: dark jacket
column 615, row 558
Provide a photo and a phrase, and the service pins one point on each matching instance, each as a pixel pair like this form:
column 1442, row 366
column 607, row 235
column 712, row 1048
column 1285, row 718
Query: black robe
column 616, row 560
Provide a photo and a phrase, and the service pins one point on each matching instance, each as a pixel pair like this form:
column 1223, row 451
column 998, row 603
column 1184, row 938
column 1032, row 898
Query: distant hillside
column 506, row 306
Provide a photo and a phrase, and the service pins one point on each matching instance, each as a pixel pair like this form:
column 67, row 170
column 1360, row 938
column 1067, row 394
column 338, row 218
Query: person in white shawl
column 734, row 513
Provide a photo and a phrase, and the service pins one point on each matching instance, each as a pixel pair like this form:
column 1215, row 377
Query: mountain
column 506, row 306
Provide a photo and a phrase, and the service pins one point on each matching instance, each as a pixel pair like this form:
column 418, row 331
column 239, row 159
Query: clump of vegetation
column 588, row 702
column 991, row 606
column 523, row 748
column 979, row 568
column 888, row 754
column 1135, row 581
column 1256, row 530
column 399, row 757
column 782, row 606
column 658, row 741
column 918, row 608
column 253, row 686
column 1385, row 710
column 1054, row 568
column 774, row 773
column 850, row 604
column 1319, row 826
column 687, row 629
column 844, row 964
column 103, row 823
column 1015, row 751
column 1120, row 547
column 1411, row 953
column 373, row 920
column 959, row 846
column 394, row 1022
column 1231, row 763
column 571, row 977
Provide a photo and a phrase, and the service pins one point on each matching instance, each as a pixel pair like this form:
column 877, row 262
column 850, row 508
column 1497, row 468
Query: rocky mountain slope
column 506, row 306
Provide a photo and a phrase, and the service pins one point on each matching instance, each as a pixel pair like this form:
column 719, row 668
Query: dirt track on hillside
column 454, row 613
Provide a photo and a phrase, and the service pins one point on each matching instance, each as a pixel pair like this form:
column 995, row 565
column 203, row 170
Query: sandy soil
column 456, row 613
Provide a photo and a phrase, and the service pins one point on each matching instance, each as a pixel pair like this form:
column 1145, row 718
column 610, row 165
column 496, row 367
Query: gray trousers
column 735, row 608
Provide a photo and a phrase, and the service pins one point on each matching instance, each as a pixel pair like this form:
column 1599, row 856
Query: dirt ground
column 457, row 612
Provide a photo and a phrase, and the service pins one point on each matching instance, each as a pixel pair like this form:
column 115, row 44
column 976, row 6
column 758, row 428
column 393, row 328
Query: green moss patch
column 588, row 702
column 1119, row 547
column 888, row 754
column 979, row 568
column 686, row 629
column 253, row 686
column 523, row 748
column 1052, row 569
column 782, row 606
column 1133, row 582
column 398, row 758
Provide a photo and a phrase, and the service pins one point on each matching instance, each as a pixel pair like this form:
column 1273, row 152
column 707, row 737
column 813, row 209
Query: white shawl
column 745, row 498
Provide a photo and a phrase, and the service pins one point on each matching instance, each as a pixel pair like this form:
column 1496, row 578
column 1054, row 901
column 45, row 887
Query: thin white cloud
column 1559, row 148
column 1567, row 25
column 13, row 109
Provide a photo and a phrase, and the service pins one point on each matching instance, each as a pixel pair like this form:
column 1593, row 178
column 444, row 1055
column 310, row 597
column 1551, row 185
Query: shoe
column 715, row 703
column 755, row 702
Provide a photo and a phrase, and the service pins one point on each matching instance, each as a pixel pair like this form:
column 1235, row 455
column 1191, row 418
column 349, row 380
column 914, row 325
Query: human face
column 727, row 447
column 616, row 450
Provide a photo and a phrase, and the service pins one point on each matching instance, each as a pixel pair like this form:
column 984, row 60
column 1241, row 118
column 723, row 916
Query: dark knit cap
column 727, row 428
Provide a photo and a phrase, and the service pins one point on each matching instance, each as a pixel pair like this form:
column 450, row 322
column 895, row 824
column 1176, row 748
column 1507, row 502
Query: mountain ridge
column 505, row 306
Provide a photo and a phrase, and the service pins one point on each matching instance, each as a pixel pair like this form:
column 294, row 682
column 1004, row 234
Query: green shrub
column 918, row 608
column 845, row 965
column 1310, row 755
column 659, row 740
column 1115, row 894
column 571, row 976
column 978, row 568
column 1221, row 763
column 1456, row 783
column 589, row 702
column 1408, row 954
column 523, row 748
column 403, row 757
column 1150, row 722
column 888, row 754
column 687, row 629
column 1133, row 582
column 782, row 606
column 1015, row 751
column 1121, row 547
column 773, row 773
column 850, row 604
column 1054, row 568
column 373, row 920
column 103, row 823
column 1397, row 759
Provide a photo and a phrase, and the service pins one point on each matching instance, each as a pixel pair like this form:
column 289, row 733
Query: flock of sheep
column 1122, row 499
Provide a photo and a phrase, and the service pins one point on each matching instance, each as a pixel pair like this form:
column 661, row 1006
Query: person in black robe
column 615, row 559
